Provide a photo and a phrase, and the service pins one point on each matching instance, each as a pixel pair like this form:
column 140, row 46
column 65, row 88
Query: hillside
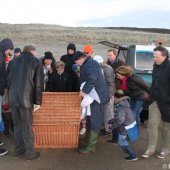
column 55, row 38
column 54, row 33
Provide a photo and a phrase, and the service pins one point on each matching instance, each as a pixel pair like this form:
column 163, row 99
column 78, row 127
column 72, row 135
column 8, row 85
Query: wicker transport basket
column 56, row 123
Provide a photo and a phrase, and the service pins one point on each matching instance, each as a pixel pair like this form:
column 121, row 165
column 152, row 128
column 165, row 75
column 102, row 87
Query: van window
column 144, row 60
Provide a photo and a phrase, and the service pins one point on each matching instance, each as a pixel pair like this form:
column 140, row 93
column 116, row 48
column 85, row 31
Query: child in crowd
column 60, row 81
column 124, row 118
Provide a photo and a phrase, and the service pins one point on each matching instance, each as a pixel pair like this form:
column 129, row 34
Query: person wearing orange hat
column 91, row 74
column 88, row 50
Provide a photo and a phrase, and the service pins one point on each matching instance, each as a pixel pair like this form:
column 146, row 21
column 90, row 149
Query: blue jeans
column 137, row 106
column 122, row 140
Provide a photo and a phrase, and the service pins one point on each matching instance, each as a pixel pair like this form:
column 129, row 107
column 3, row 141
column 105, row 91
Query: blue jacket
column 91, row 73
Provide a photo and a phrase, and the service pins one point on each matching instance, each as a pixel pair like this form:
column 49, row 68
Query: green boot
column 83, row 140
column 91, row 147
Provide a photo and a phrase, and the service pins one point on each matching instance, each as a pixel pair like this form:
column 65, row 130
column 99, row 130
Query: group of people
column 113, row 96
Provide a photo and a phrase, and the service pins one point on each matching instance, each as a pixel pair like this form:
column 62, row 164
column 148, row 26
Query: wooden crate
column 56, row 124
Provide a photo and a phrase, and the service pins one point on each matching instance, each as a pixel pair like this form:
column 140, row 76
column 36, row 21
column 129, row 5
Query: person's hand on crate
column 36, row 107
column 82, row 94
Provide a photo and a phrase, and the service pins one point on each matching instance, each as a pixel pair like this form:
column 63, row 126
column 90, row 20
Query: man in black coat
column 6, row 48
column 25, row 86
column 91, row 75
column 160, row 94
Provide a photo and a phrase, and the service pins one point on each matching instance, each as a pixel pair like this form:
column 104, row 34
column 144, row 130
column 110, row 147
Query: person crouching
column 125, row 117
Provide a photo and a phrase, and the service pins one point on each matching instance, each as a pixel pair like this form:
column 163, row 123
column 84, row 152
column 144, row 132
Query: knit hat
column 98, row 58
column 7, row 44
column 48, row 55
column 124, row 70
column 88, row 49
column 71, row 46
column 77, row 55
column 17, row 50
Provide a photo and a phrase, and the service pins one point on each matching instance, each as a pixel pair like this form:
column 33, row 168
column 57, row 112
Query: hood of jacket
column 123, row 101
column 6, row 44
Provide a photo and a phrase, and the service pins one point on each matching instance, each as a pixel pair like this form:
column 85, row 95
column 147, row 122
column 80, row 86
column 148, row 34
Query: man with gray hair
column 25, row 85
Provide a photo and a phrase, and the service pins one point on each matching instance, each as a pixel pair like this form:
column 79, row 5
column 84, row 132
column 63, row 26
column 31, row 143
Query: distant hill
column 151, row 30
column 42, row 33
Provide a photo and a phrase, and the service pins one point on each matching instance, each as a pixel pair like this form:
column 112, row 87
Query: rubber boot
column 83, row 141
column 91, row 146
column 132, row 156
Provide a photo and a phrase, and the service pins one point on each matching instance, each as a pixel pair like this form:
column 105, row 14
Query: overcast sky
column 116, row 13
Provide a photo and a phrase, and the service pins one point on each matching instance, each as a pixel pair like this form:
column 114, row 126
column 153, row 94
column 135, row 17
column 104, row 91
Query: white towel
column 87, row 100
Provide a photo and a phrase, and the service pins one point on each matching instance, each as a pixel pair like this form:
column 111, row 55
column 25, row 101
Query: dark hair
column 17, row 50
column 112, row 50
column 163, row 51
column 71, row 46
column 29, row 48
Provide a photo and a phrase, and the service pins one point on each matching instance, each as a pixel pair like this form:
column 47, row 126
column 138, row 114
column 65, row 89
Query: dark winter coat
column 2, row 72
column 160, row 88
column 125, row 116
column 47, row 74
column 60, row 83
column 25, row 81
column 68, row 60
column 4, row 45
column 91, row 73
column 117, row 63
column 137, row 88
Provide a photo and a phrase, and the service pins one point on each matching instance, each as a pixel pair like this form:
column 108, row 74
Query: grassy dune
column 40, row 33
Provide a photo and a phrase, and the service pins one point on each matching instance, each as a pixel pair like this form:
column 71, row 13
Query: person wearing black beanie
column 49, row 67
column 68, row 60
column 72, row 47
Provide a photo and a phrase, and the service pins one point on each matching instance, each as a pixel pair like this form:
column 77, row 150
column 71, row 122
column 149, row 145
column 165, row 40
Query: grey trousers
column 108, row 113
column 23, row 134
column 153, row 128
